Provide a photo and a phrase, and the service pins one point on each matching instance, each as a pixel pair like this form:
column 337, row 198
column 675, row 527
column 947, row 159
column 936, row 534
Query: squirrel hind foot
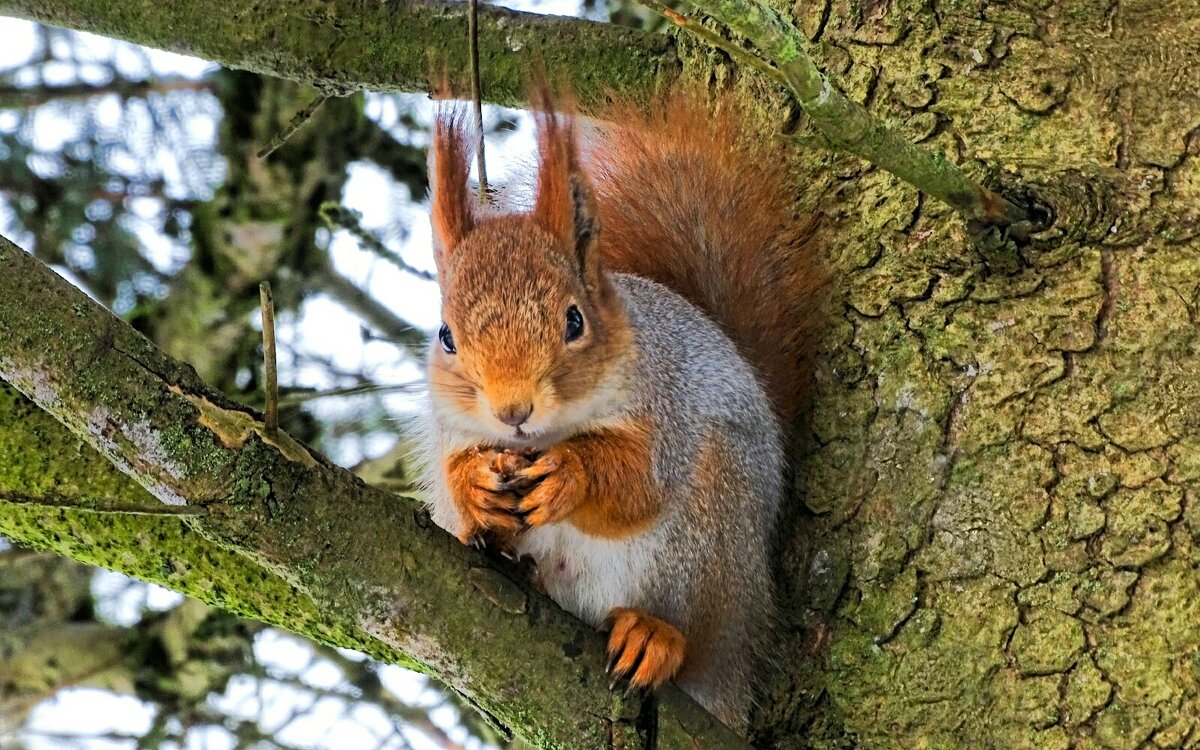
column 643, row 649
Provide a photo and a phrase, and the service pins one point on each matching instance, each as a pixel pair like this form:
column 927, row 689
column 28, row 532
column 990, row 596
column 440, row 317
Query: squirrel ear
column 585, row 225
column 452, row 216
column 565, row 204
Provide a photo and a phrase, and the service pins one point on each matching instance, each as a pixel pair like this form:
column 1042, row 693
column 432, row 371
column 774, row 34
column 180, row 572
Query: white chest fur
column 588, row 576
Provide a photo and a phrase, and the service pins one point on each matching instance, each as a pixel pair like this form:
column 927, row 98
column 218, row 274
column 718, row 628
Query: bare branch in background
column 15, row 96
column 295, row 124
column 374, row 312
column 337, row 216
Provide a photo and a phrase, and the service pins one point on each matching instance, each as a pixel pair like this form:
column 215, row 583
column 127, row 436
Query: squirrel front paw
column 550, row 488
column 478, row 481
column 642, row 649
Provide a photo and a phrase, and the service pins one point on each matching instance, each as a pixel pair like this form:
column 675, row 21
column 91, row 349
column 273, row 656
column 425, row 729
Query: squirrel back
column 686, row 199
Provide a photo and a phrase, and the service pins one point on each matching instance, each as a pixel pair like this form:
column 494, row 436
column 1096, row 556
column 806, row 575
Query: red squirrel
column 618, row 369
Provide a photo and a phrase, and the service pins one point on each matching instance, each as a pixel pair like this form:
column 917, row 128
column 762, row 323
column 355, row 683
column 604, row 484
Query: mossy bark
column 346, row 46
column 998, row 538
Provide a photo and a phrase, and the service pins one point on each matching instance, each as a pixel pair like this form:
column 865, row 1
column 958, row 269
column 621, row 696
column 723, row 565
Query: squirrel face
column 534, row 337
column 529, row 346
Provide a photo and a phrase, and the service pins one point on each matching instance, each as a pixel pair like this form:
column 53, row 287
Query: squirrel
column 618, row 370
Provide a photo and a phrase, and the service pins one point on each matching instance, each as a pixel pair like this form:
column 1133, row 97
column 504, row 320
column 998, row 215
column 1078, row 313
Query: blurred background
column 134, row 174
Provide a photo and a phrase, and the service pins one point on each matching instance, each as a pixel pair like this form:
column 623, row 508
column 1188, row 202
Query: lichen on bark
column 1006, row 448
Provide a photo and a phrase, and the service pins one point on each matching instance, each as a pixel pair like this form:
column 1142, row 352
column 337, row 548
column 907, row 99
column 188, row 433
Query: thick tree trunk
column 1000, row 544
column 997, row 545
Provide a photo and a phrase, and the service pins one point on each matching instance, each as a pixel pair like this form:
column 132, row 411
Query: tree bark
column 997, row 544
column 345, row 46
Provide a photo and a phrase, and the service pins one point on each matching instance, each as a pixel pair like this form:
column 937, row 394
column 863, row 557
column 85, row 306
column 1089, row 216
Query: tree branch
column 847, row 124
column 39, row 455
column 368, row 560
column 372, row 311
column 347, row 45
column 100, row 506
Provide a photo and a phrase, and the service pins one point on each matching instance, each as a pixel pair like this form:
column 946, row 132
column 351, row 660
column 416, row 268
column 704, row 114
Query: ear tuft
column 565, row 204
column 452, row 216
column 586, row 224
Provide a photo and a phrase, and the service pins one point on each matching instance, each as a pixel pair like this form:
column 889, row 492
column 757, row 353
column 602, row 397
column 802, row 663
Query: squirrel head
column 534, row 335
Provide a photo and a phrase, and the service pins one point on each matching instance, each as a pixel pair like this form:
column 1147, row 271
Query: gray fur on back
column 702, row 392
column 699, row 382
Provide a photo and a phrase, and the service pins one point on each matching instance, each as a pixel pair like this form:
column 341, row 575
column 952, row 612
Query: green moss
column 383, row 48
column 1048, row 643
column 884, row 605
column 1137, row 531
column 1108, row 592
column 1124, row 727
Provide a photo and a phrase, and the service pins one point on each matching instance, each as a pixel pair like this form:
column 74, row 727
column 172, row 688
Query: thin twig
column 271, row 420
column 716, row 40
column 337, row 216
column 372, row 311
column 293, row 125
column 353, row 390
column 848, row 125
column 477, row 100
column 102, row 505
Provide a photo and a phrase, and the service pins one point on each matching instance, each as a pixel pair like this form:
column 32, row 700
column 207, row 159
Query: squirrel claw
column 631, row 690
column 644, row 650
column 612, row 662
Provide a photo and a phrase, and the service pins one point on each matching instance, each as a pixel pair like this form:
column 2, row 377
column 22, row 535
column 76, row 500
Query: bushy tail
column 688, row 200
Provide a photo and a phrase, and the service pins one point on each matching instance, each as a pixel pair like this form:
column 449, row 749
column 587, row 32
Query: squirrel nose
column 514, row 415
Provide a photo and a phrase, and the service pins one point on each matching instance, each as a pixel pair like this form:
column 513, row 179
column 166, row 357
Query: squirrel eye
column 574, row 323
column 447, row 339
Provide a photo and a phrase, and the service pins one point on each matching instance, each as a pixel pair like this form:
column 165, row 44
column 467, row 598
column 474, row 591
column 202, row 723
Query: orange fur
column 451, row 211
column 558, row 159
column 476, row 484
column 600, row 482
column 536, row 264
column 738, row 254
column 643, row 649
